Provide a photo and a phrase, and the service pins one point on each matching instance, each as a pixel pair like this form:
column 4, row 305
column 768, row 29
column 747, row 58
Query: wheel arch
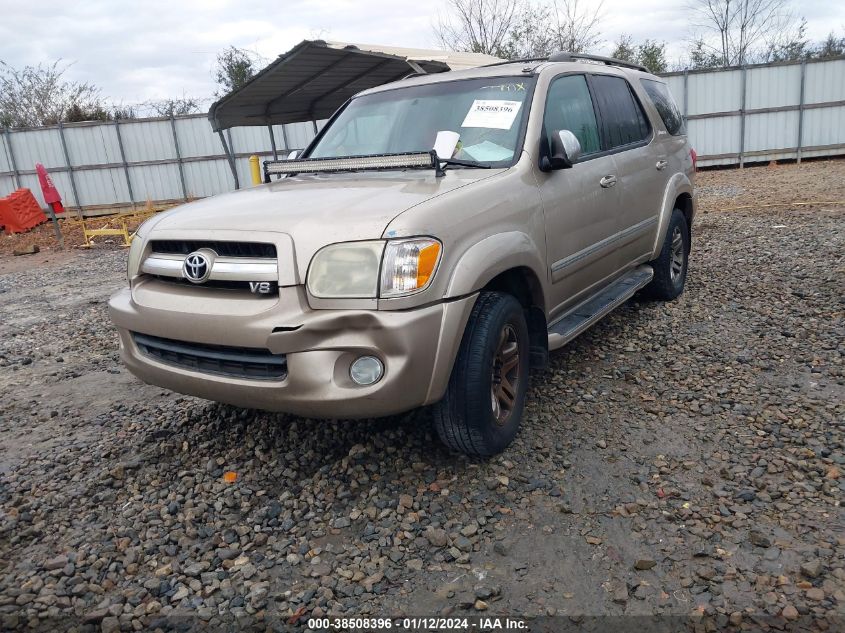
column 679, row 194
column 508, row 262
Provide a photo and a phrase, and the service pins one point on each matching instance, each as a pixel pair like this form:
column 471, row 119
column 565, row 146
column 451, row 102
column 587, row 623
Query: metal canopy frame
column 310, row 82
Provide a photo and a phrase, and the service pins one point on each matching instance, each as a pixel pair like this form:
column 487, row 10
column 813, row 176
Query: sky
column 159, row 49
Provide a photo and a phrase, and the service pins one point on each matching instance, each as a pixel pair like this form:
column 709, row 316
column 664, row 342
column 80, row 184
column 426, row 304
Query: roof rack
column 563, row 56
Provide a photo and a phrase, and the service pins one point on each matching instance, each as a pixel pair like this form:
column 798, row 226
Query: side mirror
column 294, row 154
column 564, row 152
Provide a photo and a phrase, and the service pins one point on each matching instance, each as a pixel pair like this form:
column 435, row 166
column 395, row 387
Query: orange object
column 48, row 189
column 20, row 211
column 230, row 476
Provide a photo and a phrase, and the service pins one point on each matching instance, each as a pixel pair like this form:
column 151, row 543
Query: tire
column 473, row 416
column 670, row 267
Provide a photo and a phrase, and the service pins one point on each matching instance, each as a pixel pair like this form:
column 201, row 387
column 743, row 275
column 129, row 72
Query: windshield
column 486, row 113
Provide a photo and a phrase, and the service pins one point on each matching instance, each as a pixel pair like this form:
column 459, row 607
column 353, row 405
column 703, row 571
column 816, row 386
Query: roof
column 315, row 78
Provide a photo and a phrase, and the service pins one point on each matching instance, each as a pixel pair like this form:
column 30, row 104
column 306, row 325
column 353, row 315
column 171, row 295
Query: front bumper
column 418, row 348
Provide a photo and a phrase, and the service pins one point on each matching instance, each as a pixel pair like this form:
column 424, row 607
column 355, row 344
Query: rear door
column 581, row 214
column 640, row 167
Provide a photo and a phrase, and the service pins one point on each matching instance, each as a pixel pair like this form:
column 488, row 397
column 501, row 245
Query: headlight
column 351, row 270
column 347, row 270
column 408, row 266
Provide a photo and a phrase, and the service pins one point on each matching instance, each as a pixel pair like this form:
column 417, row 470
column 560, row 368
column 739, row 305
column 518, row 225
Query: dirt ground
column 678, row 460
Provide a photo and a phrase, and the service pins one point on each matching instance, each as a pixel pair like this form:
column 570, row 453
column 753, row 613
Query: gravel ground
column 677, row 459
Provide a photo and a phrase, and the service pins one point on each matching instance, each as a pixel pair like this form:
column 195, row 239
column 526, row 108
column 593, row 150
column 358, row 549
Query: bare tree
column 519, row 28
column 39, row 95
column 577, row 26
column 531, row 35
column 171, row 107
column 479, row 26
column 789, row 44
column 740, row 26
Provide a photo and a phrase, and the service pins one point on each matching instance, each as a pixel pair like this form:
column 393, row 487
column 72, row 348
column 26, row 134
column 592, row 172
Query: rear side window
column 569, row 107
column 668, row 110
column 622, row 116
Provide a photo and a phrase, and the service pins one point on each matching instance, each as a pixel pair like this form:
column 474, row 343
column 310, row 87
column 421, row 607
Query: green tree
column 625, row 49
column 832, row 46
column 648, row 53
column 652, row 55
column 702, row 56
column 235, row 67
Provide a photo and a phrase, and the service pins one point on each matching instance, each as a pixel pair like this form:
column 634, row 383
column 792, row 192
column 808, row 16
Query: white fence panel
column 5, row 161
column 148, row 141
column 825, row 82
column 156, row 182
column 823, row 127
column 92, row 144
column 772, row 86
column 208, row 178
column 196, row 138
column 714, row 92
column 101, row 186
column 7, row 185
column 718, row 137
column 42, row 145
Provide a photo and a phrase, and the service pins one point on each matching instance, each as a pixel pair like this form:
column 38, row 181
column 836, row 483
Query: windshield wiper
column 463, row 163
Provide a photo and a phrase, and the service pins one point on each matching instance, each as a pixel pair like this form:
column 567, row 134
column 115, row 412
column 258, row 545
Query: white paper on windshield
column 495, row 114
column 445, row 143
column 488, row 152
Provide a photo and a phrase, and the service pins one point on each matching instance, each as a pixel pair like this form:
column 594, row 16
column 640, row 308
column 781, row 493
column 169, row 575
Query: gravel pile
column 681, row 459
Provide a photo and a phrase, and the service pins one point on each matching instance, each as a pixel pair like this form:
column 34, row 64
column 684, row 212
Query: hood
column 320, row 209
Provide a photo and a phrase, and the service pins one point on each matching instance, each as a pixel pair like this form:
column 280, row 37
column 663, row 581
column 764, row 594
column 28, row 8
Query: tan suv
column 374, row 274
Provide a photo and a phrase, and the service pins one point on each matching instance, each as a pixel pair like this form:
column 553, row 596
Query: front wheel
column 670, row 267
column 482, row 409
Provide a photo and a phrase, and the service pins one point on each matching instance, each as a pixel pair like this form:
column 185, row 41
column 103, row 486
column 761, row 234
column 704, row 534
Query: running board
column 591, row 311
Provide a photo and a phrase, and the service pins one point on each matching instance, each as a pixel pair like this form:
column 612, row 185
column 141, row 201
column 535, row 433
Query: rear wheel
column 670, row 267
column 482, row 409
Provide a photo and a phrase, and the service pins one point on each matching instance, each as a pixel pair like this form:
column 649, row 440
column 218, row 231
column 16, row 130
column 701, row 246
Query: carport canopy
column 316, row 77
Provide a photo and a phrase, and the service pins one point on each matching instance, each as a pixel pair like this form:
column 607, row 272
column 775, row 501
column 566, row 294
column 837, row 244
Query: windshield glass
column 487, row 113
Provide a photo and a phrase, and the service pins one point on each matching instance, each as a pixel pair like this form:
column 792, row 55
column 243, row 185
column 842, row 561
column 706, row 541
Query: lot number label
column 492, row 113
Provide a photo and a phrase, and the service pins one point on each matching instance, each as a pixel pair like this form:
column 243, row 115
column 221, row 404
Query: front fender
column 678, row 184
column 492, row 256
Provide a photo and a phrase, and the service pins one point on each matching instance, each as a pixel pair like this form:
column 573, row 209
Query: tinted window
column 623, row 118
column 662, row 99
column 569, row 107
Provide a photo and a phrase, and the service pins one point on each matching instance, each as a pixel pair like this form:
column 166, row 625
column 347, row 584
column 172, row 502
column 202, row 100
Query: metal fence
column 734, row 116
column 767, row 112
column 103, row 167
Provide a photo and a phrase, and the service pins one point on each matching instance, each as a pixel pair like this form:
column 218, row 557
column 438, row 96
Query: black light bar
column 408, row 160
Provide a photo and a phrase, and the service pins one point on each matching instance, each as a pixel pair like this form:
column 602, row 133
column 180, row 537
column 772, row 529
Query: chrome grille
column 256, row 250
column 239, row 362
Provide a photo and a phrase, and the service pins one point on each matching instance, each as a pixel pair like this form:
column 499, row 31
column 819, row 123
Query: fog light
column 366, row 370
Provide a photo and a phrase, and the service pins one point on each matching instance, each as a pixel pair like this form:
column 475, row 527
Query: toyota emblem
column 197, row 267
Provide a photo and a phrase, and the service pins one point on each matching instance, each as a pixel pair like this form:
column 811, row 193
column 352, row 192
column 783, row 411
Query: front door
column 581, row 203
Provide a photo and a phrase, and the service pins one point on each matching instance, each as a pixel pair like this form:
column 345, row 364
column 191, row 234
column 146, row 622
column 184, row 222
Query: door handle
column 608, row 181
column 662, row 164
